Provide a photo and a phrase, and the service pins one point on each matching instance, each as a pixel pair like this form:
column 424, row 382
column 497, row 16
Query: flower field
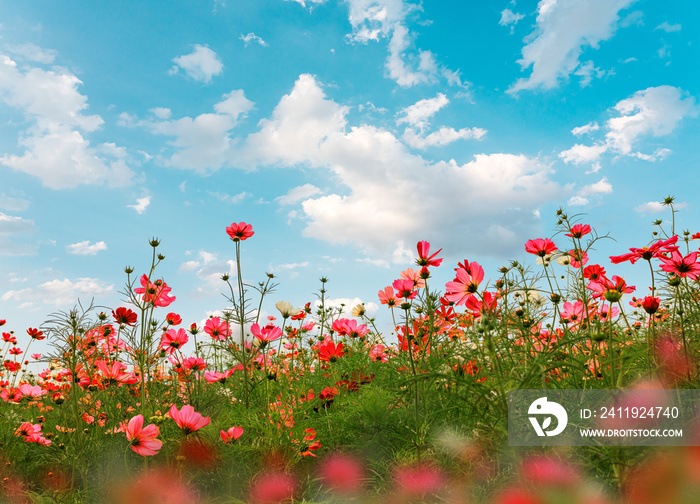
column 134, row 405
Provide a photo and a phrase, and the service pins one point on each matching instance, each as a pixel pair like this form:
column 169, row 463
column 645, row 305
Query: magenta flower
column 404, row 288
column 681, row 266
column 579, row 230
column 188, row 419
column 232, row 434
column 173, row 340
column 540, row 247
column 268, row 333
column 143, row 440
column 647, row 253
column 465, row 284
column 423, row 259
column 240, row 231
column 156, row 293
column 216, row 328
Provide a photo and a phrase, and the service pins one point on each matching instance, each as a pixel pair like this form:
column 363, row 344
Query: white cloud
column 564, row 28
column 287, row 266
column 227, row 198
column 55, row 148
column 310, row 2
column 297, row 194
column 577, row 201
column 201, row 64
column 12, row 228
column 388, row 194
column 587, row 71
column 9, row 224
column 600, row 187
column 633, row 18
column 668, row 28
column 61, row 292
column 252, row 37
column 586, row 128
column 580, row 154
column 141, row 204
column 373, row 20
column 31, row 52
column 510, row 18
column 12, row 204
column 85, row 248
column 651, row 207
column 204, row 143
column 443, row 136
column 418, row 114
column 655, row 111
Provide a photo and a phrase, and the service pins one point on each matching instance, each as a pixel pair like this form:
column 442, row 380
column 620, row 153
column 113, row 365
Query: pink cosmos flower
column 232, row 434
column 465, row 284
column 240, row 231
column 143, row 440
column 414, row 276
column 647, row 253
column 387, row 296
column 540, row 247
column 423, row 259
column 572, row 314
column 347, row 327
column 215, row 376
column 268, row 333
column 156, row 293
column 579, row 230
column 611, row 290
column 173, row 340
column 216, row 328
column 188, row 419
column 681, row 266
column 404, row 289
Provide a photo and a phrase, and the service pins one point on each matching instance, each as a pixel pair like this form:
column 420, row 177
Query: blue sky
column 344, row 131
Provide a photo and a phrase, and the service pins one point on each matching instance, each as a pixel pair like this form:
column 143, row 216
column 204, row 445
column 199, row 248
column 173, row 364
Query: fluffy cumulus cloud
column 374, row 20
column 61, row 292
column 202, row 143
column 418, row 116
column 208, row 269
column 564, row 29
column 297, row 194
column 54, row 144
column 510, row 18
column 654, row 111
column 201, row 64
column 141, row 204
column 387, row 193
column 86, row 248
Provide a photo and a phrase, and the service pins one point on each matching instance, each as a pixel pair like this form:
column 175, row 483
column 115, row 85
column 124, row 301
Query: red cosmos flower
column 216, row 328
column 347, row 327
column 194, row 363
column 16, row 351
column 681, row 266
column 156, row 293
column 611, row 290
column 540, row 247
column 310, row 435
column 651, row 304
column 579, row 230
column 593, row 272
column 268, row 333
column 124, row 316
column 35, row 334
column 173, row 319
column 404, row 288
column 387, row 296
column 465, row 284
column 478, row 307
column 647, row 253
column 27, row 430
column 188, row 419
column 143, row 440
column 3, row 322
column 9, row 338
column 329, row 351
column 173, row 340
column 423, row 259
column 232, row 434
column 240, row 231
column 115, row 372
